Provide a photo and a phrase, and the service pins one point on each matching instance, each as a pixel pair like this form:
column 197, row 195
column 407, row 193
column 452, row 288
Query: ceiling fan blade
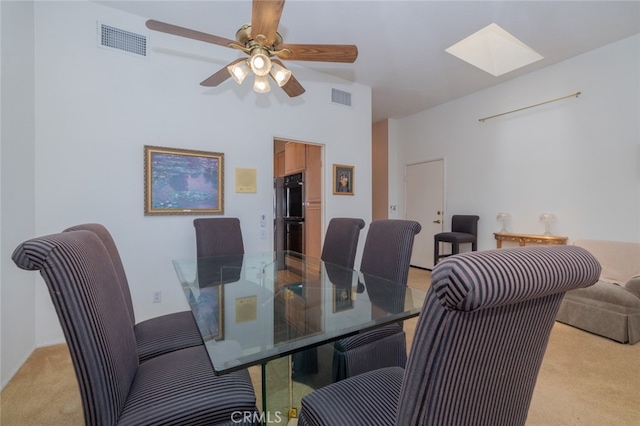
column 265, row 18
column 292, row 88
column 319, row 52
column 186, row 32
column 221, row 76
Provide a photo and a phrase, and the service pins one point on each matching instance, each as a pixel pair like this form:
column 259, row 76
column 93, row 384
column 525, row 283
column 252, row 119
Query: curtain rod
column 531, row 106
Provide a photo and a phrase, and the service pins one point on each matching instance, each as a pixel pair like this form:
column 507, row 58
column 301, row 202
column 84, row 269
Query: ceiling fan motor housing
column 243, row 35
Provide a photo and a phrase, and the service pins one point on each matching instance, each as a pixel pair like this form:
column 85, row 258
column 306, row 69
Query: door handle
column 436, row 221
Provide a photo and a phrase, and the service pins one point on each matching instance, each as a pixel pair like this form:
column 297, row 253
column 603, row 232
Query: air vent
column 340, row 97
column 116, row 38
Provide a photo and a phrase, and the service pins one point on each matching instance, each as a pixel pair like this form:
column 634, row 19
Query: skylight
column 494, row 50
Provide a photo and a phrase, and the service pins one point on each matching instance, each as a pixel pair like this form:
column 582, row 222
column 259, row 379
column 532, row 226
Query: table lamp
column 548, row 219
column 504, row 219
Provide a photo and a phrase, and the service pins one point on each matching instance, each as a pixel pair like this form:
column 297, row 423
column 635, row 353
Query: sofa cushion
column 606, row 292
column 611, row 307
column 633, row 286
column 620, row 260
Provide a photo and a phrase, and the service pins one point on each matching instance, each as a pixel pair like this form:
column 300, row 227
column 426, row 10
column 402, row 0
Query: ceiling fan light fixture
column 280, row 74
column 261, row 41
column 261, row 84
column 260, row 63
column 239, row 71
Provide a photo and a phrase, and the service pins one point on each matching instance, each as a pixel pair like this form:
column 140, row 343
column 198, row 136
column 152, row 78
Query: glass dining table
column 279, row 310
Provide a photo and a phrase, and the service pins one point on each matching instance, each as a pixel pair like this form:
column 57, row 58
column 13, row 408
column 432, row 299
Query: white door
column 424, row 194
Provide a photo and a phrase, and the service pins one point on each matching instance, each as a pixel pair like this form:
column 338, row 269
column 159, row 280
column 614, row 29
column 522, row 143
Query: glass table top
column 256, row 307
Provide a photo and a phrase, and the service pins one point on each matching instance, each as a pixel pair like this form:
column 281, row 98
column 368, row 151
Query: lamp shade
column 260, row 63
column 548, row 219
column 280, row 74
column 504, row 219
column 261, row 84
column 239, row 71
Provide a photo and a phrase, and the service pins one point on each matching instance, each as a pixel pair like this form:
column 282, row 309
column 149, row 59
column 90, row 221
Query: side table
column 523, row 239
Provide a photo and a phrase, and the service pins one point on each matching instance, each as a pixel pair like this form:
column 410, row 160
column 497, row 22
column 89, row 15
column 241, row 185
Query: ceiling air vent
column 340, row 97
column 116, row 38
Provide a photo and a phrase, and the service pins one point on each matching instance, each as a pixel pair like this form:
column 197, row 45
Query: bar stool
column 464, row 229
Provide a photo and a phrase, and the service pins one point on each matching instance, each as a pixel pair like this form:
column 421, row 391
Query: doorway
column 302, row 162
column 424, row 189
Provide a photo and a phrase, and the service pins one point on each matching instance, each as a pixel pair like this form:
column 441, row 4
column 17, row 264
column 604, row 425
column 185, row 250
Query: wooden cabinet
column 313, row 176
column 313, row 230
column 295, row 157
column 278, row 165
column 313, row 201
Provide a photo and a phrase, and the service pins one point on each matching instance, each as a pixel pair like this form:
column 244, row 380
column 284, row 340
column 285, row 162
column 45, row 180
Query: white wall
column 17, row 288
column 578, row 158
column 396, row 168
column 95, row 109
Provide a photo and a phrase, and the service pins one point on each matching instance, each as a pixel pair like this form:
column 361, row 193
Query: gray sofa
column 611, row 307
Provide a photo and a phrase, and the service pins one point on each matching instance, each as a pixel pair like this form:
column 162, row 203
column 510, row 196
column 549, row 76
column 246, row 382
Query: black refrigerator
column 289, row 213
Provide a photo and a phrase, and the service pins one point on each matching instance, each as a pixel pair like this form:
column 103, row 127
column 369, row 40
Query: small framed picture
column 342, row 298
column 342, row 179
column 182, row 181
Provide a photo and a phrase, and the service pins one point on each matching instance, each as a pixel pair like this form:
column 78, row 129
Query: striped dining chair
column 218, row 236
column 386, row 254
column 175, row 388
column 339, row 250
column 154, row 336
column 341, row 241
column 478, row 345
column 218, row 241
column 338, row 254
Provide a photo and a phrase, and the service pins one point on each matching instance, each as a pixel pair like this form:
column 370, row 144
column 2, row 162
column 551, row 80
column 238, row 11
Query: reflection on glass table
column 276, row 309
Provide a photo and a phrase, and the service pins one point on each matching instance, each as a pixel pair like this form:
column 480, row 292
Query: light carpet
column 584, row 380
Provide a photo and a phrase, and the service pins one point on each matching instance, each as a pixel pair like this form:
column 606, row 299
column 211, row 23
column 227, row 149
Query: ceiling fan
column 265, row 47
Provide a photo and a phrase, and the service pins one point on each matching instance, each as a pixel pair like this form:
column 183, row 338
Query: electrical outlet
column 157, row 296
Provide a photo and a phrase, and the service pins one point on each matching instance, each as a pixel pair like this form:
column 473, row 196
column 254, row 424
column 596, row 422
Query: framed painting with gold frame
column 343, row 179
column 183, row 181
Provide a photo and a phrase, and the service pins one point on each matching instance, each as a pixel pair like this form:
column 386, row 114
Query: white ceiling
column 401, row 43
